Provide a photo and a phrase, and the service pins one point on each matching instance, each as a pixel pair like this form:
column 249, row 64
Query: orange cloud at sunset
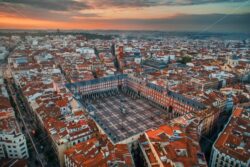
column 15, row 22
column 167, row 15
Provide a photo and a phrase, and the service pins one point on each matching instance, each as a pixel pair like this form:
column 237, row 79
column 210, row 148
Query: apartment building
column 232, row 145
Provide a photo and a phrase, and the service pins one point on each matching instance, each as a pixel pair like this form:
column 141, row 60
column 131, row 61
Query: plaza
column 122, row 116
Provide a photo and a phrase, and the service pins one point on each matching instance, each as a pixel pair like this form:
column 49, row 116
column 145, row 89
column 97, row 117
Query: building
column 64, row 126
column 54, row 110
column 172, row 146
column 89, row 88
column 14, row 162
column 98, row 151
column 232, row 146
column 12, row 140
column 94, row 69
column 64, row 135
column 174, row 103
column 3, row 53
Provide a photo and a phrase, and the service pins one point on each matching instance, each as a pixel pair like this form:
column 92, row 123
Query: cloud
column 198, row 2
column 182, row 22
column 68, row 5
column 22, row 11
column 42, row 13
column 149, row 3
column 57, row 5
column 72, row 12
column 124, row 3
column 84, row 16
column 89, row 15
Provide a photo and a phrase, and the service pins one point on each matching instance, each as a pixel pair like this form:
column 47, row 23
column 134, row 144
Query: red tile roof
column 233, row 141
column 171, row 144
column 98, row 151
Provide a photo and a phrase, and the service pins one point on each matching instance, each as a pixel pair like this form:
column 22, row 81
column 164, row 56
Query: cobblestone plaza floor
column 122, row 116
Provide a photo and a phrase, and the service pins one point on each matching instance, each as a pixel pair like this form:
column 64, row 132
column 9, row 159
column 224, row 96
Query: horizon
column 132, row 83
column 115, row 30
column 162, row 15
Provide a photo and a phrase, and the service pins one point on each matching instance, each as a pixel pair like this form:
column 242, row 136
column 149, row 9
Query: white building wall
column 13, row 146
column 219, row 159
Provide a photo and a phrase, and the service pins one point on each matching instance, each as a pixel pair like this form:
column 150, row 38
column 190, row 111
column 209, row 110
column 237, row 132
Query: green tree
column 185, row 59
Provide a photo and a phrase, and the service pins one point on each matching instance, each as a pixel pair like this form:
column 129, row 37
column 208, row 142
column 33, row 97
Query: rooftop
column 234, row 140
column 8, row 124
column 98, row 151
column 172, row 144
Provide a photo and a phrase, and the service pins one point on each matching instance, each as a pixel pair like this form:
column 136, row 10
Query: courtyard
column 122, row 116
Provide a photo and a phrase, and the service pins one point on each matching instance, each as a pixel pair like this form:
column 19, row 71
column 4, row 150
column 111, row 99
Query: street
column 40, row 151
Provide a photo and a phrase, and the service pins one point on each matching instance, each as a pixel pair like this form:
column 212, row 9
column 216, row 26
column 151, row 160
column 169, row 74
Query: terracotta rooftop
column 8, row 122
column 98, row 151
column 171, row 144
column 4, row 103
column 234, row 141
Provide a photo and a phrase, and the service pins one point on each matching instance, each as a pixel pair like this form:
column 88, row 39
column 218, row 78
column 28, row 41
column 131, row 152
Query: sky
column 164, row 15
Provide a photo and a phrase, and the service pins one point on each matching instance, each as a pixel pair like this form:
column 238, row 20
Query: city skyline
column 192, row 15
column 135, row 83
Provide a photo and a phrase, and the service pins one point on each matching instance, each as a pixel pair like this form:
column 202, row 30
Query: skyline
column 135, row 83
column 163, row 15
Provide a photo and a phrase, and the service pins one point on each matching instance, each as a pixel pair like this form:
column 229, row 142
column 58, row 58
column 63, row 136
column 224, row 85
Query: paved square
column 121, row 116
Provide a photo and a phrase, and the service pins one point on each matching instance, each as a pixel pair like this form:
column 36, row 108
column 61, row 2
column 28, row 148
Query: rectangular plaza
column 122, row 116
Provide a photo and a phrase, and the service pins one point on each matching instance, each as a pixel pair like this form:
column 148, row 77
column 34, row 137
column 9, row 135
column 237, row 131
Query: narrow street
column 207, row 141
column 24, row 123
column 40, row 151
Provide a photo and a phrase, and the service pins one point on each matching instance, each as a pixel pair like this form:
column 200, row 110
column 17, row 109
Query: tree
column 185, row 59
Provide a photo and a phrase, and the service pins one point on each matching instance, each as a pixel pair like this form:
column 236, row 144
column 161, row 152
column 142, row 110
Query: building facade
column 12, row 141
column 174, row 103
column 232, row 146
column 171, row 146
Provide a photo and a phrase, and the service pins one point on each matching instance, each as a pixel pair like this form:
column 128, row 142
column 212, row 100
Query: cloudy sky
column 167, row 15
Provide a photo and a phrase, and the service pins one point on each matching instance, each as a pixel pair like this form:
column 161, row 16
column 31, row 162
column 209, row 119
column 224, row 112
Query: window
column 24, row 152
column 21, row 145
column 22, row 148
